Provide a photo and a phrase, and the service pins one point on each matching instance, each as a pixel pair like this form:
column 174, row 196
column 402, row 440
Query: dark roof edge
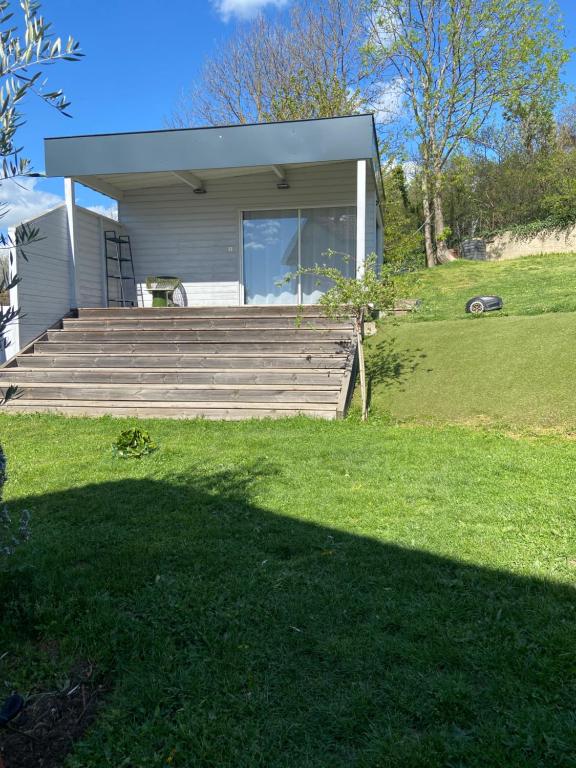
column 217, row 127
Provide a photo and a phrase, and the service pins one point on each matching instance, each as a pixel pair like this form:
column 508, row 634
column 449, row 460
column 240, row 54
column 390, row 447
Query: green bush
column 134, row 444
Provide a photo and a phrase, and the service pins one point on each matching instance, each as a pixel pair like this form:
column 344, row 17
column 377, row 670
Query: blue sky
column 140, row 55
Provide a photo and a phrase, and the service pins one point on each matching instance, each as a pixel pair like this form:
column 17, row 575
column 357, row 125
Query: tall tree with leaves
column 307, row 65
column 403, row 246
column 458, row 64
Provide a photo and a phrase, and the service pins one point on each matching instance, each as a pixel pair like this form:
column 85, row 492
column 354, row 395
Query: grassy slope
column 519, row 371
column 516, row 368
column 530, row 286
column 300, row 593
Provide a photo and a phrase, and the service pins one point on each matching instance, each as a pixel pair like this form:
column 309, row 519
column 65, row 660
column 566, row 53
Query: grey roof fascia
column 261, row 144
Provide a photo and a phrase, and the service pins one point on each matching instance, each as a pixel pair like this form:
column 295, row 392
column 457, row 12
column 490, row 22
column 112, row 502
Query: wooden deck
column 215, row 363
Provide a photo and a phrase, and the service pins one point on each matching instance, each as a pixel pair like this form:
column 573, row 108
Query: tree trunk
column 428, row 239
column 362, row 366
column 441, row 247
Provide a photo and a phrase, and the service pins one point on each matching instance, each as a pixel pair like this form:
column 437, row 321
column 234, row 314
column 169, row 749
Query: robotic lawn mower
column 480, row 304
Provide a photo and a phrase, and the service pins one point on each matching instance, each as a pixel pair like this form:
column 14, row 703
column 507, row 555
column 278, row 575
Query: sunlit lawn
column 515, row 371
column 529, row 286
column 514, row 368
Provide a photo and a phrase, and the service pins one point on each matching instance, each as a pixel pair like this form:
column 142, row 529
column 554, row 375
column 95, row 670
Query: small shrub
column 134, row 444
column 356, row 297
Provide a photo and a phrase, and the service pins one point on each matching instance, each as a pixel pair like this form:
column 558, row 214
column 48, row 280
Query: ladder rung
column 119, row 241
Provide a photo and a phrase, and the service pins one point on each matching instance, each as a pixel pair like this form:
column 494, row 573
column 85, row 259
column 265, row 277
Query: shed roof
column 240, row 146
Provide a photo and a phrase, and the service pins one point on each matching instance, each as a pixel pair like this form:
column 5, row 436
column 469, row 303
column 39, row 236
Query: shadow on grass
column 237, row 637
column 387, row 366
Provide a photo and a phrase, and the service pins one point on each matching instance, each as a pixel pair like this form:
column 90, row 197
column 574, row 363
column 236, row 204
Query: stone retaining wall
column 505, row 247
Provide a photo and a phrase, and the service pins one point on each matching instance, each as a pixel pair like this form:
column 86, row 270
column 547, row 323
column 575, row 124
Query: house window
column 277, row 243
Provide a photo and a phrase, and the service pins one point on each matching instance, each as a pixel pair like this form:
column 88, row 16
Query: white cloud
column 244, row 9
column 411, row 168
column 22, row 200
column 384, row 26
column 388, row 101
column 111, row 211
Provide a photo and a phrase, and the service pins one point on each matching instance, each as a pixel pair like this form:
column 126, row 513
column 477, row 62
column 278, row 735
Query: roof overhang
column 115, row 185
column 240, row 146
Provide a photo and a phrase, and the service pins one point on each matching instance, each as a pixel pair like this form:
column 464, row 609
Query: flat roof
column 237, row 146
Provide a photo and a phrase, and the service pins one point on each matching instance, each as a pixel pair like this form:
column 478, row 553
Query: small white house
column 230, row 211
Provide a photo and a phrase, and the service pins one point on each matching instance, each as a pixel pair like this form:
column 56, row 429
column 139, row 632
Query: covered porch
column 230, row 211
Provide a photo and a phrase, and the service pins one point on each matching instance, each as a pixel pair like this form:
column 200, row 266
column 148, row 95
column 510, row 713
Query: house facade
column 229, row 211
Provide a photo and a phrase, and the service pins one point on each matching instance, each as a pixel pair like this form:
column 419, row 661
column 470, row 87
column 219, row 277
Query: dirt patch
column 51, row 721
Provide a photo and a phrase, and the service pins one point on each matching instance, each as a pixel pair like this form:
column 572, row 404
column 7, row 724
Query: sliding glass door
column 277, row 243
column 327, row 238
column 270, row 252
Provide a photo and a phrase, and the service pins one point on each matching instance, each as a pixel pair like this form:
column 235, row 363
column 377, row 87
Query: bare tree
column 567, row 127
column 458, row 63
column 309, row 65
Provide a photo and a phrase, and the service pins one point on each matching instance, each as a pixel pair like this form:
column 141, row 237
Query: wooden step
column 280, row 377
column 243, row 336
column 205, row 323
column 194, row 347
column 219, row 411
column 176, row 393
column 235, row 311
column 187, row 362
column 193, row 362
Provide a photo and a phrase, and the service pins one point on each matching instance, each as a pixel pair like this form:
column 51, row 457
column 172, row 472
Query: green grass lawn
column 529, row 286
column 298, row 593
column 516, row 371
column 324, row 595
column 515, row 368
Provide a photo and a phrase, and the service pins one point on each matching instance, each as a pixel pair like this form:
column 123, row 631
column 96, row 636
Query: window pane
column 324, row 230
column 270, row 253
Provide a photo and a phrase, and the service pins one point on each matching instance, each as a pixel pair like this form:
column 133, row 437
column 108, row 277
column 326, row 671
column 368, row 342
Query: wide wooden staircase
column 216, row 363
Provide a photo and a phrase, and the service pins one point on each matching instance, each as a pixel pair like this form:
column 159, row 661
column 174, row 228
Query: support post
column 70, row 197
column 10, row 344
column 104, row 302
column 360, row 217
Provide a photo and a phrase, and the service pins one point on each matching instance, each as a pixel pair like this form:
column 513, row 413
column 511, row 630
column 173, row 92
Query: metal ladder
column 119, row 269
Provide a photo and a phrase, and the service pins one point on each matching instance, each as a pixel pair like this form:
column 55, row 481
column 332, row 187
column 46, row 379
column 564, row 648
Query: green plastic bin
column 162, row 288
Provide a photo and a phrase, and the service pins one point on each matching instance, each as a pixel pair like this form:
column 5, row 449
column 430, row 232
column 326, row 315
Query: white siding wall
column 197, row 237
column 90, row 267
column 43, row 295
